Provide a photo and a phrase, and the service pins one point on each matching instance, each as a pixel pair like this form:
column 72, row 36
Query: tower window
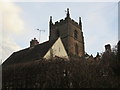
column 76, row 49
column 75, row 34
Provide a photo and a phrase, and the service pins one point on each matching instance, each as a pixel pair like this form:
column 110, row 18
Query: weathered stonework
column 65, row 30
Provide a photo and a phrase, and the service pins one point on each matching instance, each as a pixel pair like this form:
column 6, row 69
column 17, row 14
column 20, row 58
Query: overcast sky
column 21, row 19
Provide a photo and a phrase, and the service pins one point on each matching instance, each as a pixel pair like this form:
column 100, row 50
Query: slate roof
column 29, row 54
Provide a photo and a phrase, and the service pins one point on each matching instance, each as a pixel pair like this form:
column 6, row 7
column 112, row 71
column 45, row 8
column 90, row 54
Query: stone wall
column 65, row 30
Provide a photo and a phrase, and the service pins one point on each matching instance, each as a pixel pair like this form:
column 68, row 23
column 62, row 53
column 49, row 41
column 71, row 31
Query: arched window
column 75, row 34
column 76, row 49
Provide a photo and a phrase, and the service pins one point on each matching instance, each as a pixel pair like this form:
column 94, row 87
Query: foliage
column 62, row 73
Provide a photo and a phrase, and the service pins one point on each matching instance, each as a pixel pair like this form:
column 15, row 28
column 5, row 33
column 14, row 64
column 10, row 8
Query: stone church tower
column 70, row 33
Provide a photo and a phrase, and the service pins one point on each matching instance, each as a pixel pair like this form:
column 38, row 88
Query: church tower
column 70, row 33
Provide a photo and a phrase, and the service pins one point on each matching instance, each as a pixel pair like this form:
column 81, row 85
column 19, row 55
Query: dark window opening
column 75, row 34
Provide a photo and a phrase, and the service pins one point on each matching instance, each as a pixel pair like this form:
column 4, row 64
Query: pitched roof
column 29, row 54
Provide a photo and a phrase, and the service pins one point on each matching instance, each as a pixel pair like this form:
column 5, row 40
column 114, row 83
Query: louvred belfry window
column 75, row 34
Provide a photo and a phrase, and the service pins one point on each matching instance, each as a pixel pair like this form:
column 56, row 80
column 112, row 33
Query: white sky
column 21, row 19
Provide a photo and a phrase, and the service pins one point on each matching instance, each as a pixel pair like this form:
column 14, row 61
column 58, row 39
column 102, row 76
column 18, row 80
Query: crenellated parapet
column 66, row 20
column 74, row 23
column 62, row 21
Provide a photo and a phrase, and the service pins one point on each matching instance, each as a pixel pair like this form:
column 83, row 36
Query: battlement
column 63, row 21
column 75, row 23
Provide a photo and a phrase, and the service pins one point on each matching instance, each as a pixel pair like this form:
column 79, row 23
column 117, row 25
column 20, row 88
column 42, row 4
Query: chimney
column 108, row 48
column 34, row 42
